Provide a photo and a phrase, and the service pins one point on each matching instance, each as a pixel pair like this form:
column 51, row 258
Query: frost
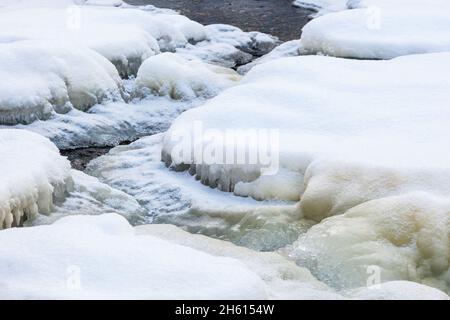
column 34, row 177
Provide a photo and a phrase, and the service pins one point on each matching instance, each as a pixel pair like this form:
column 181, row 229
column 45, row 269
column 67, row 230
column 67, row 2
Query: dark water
column 276, row 17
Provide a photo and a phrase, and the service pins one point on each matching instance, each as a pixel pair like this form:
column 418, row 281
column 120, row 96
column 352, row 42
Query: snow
column 405, row 236
column 104, row 257
column 175, row 198
column 398, row 290
column 111, row 123
column 34, row 176
column 169, row 74
column 322, row 6
column 379, row 29
column 57, row 81
column 286, row 49
column 101, row 257
column 381, row 138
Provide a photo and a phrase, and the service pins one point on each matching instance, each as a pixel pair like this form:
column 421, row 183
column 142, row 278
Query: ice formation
column 169, row 74
column 380, row 29
column 58, row 79
column 134, row 36
column 104, row 259
column 34, row 177
column 380, row 139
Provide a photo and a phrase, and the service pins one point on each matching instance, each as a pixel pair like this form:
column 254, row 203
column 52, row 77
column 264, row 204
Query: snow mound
column 379, row 29
column 380, row 138
column 169, row 74
column 378, row 103
column 58, row 79
column 406, row 237
column 103, row 258
column 34, row 176
column 134, row 36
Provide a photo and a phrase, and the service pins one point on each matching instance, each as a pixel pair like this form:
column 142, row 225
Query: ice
column 292, row 95
column 284, row 279
column 286, row 49
column 380, row 138
column 176, row 198
column 322, row 6
column 379, row 29
column 101, row 257
column 34, row 177
column 169, row 74
column 407, row 237
column 135, row 35
column 111, row 123
column 57, row 80
column 398, row 290
column 91, row 197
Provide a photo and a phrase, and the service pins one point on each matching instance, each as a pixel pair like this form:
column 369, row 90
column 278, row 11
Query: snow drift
column 34, row 176
column 380, row 29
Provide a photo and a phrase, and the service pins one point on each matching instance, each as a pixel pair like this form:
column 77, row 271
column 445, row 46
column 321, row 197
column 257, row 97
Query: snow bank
column 34, row 176
column 380, row 29
column 172, row 75
column 57, row 80
column 101, row 257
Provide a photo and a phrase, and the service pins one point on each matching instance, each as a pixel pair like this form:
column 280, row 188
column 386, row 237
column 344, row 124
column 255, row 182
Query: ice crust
column 34, row 177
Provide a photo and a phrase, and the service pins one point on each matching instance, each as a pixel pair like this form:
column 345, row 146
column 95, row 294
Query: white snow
column 322, row 6
column 33, row 176
column 101, row 257
column 350, row 131
column 169, row 74
column 57, row 79
column 380, row 29
column 176, row 198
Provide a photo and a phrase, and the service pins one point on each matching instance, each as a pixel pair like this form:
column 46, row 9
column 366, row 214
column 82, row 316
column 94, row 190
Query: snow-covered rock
column 134, row 36
column 379, row 103
column 56, row 80
column 380, row 29
column 170, row 74
column 350, row 132
column 33, row 177
column 287, row 49
column 101, row 257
